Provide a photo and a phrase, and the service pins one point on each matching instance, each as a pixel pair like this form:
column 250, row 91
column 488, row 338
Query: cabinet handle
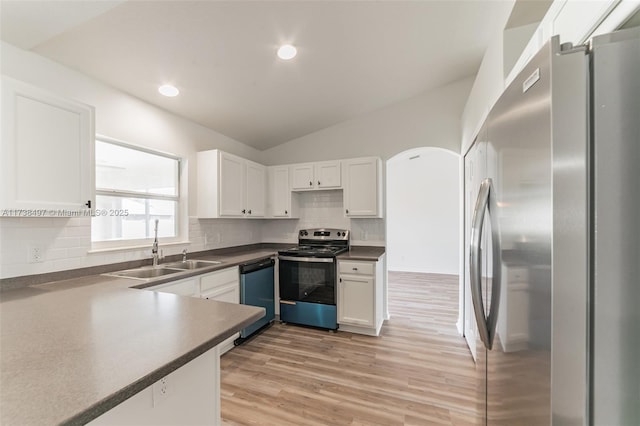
column 318, row 183
column 340, row 279
column 347, row 211
column 249, row 212
column 244, row 211
column 310, row 183
column 88, row 204
column 286, row 212
column 355, row 269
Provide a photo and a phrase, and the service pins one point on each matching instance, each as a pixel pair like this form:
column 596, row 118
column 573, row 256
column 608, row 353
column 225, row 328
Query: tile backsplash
column 65, row 243
column 324, row 209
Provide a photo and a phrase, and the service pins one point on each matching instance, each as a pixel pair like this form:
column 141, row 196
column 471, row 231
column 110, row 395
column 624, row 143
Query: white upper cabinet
column 281, row 201
column 230, row 186
column 310, row 176
column 46, row 152
column 328, row 175
column 302, row 176
column 256, row 186
column 362, row 187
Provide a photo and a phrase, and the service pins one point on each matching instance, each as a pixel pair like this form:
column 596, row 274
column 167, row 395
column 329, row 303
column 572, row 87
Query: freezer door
column 616, row 229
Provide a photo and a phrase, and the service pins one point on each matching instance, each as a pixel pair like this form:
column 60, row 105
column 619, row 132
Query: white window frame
column 143, row 243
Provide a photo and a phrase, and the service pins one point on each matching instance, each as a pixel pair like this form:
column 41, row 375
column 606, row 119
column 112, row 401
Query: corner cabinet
column 46, row 153
column 222, row 285
column 314, row 176
column 281, row 202
column 360, row 298
column 230, row 186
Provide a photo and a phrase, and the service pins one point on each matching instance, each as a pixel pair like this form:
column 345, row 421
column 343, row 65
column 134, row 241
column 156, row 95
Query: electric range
column 307, row 277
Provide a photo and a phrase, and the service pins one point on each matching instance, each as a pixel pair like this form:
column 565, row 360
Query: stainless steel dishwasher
column 257, row 289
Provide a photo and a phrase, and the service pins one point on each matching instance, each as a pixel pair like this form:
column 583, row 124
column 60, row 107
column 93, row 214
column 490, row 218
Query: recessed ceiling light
column 287, row 52
column 168, row 90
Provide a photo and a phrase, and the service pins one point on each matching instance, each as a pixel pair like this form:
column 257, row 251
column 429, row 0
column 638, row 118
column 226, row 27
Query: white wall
column 423, row 207
column 430, row 119
column 487, row 88
column 67, row 242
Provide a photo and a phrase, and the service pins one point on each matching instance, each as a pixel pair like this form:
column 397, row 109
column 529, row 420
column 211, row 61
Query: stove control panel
column 324, row 234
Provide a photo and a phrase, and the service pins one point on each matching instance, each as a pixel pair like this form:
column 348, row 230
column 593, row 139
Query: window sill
column 136, row 247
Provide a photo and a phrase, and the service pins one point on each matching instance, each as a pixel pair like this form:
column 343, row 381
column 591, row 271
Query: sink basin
column 192, row 264
column 144, row 273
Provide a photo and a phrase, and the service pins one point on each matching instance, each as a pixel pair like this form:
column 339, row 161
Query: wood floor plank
column 418, row 372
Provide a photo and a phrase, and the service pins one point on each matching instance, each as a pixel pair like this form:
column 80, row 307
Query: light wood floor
column 418, row 372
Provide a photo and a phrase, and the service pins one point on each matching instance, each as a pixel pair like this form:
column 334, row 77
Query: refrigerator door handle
column 486, row 201
column 496, row 270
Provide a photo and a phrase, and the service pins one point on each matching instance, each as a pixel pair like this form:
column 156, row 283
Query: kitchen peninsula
column 67, row 359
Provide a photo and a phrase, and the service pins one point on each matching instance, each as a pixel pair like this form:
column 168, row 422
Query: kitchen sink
column 192, row 264
column 144, row 273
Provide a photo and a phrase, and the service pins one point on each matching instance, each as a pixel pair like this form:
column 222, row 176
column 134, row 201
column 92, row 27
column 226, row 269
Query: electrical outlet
column 160, row 391
column 36, row 254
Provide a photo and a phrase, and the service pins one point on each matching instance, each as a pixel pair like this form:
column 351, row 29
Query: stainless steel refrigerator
column 552, row 230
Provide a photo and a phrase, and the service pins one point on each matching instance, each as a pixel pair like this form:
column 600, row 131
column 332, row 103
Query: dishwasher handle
column 256, row 266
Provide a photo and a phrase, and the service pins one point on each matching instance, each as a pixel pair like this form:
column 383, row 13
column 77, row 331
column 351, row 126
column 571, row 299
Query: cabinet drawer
column 357, row 268
column 183, row 288
column 218, row 278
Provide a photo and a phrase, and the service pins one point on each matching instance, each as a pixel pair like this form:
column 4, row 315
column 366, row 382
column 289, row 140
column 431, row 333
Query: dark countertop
column 73, row 349
column 370, row 253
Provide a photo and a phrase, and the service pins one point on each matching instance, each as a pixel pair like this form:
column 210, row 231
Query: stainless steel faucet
column 154, row 248
column 184, row 255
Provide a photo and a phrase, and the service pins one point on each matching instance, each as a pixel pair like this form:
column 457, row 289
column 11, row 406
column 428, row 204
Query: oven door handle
column 307, row 259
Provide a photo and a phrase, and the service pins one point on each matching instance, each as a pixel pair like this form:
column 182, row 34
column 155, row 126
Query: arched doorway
column 423, row 205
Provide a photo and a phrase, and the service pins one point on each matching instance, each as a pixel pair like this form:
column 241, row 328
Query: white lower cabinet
column 360, row 297
column 188, row 396
column 223, row 286
column 186, row 287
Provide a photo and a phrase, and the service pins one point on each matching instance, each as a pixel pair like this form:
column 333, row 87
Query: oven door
column 308, row 279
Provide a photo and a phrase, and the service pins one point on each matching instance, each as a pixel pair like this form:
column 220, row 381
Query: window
column 134, row 187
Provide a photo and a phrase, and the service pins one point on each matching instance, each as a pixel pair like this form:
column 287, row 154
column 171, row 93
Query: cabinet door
column 302, row 176
column 362, row 188
column 356, row 300
column 229, row 293
column 231, row 184
column 279, row 192
column 328, row 175
column 46, row 152
column 256, row 185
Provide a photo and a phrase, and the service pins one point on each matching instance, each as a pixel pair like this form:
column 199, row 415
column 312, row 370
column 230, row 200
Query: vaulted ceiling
column 353, row 56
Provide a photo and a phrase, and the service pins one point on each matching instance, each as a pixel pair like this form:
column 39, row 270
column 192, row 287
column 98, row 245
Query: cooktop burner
column 319, row 243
